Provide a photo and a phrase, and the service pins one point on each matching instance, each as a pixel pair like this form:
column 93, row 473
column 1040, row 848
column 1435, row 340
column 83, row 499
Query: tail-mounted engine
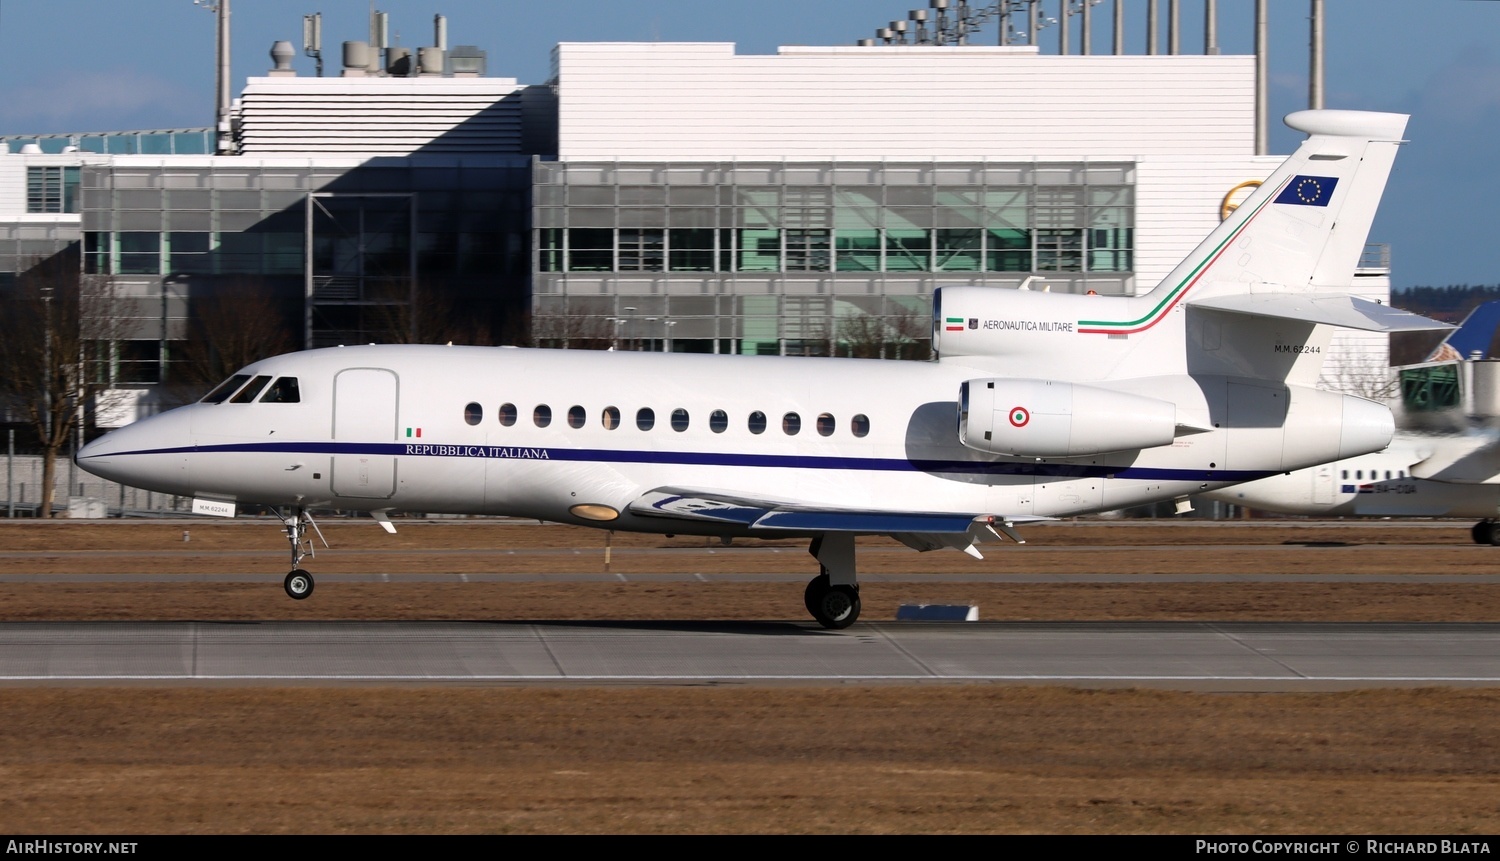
column 1045, row 418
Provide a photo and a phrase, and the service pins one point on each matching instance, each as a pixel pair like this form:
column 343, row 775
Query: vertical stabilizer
column 1304, row 229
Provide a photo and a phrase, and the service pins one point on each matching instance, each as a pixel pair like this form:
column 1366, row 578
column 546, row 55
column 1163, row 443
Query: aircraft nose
column 146, row 454
column 103, row 457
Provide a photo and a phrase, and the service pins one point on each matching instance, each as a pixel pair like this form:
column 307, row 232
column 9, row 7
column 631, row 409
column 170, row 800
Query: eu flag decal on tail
column 1308, row 190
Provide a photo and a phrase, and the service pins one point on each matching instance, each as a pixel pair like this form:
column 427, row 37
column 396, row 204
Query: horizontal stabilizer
column 1330, row 309
column 711, row 507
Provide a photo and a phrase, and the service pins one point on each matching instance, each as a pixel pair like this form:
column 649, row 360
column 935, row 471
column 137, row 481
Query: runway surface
column 1189, row 655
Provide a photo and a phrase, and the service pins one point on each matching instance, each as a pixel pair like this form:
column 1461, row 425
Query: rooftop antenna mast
column 312, row 38
column 221, row 79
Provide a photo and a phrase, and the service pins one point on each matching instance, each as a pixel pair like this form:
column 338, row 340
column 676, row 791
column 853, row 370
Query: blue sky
column 93, row 65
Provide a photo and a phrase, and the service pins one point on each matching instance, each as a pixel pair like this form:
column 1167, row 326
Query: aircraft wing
column 1474, row 460
column 921, row 530
column 1330, row 309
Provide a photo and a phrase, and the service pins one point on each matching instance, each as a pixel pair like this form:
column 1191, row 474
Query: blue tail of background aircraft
column 1473, row 338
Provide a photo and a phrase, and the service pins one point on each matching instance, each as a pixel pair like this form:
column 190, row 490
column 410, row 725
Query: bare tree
column 1359, row 373
column 50, row 320
column 892, row 336
column 574, row 332
column 234, row 325
column 441, row 317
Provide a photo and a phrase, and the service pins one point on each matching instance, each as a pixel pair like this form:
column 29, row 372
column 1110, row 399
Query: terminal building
column 665, row 196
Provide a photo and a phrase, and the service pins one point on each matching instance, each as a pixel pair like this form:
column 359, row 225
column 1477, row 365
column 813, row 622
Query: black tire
column 1481, row 532
column 837, row 607
column 814, row 591
column 298, row 584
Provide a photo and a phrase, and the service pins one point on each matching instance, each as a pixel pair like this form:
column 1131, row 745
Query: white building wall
column 379, row 116
column 1178, row 202
column 702, row 101
column 12, row 184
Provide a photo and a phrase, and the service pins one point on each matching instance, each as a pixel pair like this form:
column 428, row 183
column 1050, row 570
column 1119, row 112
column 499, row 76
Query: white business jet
column 1419, row 475
column 1039, row 406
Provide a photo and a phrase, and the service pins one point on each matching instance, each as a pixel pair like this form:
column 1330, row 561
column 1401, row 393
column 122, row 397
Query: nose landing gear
column 299, row 584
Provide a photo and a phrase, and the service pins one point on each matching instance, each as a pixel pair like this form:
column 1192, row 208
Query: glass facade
column 401, row 249
column 23, row 246
column 151, row 142
column 52, row 189
column 786, row 256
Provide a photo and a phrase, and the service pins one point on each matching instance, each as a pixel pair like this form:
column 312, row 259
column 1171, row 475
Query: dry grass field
column 730, row 759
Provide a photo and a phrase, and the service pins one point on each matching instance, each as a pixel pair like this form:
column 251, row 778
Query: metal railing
column 77, row 494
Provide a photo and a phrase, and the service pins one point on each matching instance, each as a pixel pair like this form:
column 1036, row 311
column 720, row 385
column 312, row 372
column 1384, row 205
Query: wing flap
column 923, row 530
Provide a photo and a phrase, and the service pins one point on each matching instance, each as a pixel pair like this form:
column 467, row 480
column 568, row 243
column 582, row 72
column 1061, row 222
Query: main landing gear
column 1486, row 532
column 832, row 597
column 299, row 584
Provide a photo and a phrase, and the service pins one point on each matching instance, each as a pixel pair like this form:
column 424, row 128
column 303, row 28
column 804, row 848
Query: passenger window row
column 679, row 419
column 1359, row 474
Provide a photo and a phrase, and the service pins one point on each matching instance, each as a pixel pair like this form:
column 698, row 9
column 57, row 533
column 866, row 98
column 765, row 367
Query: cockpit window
column 225, row 389
column 283, row 391
column 248, row 393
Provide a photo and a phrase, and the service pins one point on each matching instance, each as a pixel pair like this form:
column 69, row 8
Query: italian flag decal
column 955, row 324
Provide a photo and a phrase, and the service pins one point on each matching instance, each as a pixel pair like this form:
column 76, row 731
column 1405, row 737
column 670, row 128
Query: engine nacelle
column 1046, row 418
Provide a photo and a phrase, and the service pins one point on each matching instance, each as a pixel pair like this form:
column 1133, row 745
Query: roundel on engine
column 1047, row 418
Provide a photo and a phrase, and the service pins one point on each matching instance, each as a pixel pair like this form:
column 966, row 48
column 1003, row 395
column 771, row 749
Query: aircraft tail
column 1279, row 270
column 1290, row 251
column 1304, row 228
column 1264, row 287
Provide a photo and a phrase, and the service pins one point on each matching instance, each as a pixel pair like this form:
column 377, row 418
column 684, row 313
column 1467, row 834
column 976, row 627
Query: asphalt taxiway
column 1187, row 655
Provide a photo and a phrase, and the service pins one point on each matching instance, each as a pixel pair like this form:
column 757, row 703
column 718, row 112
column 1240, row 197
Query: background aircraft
column 1448, row 467
column 1039, row 405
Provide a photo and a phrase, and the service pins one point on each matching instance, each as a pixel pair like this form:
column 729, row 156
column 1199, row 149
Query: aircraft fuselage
column 577, row 437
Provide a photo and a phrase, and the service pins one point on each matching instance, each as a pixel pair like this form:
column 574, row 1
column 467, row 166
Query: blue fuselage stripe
column 689, row 458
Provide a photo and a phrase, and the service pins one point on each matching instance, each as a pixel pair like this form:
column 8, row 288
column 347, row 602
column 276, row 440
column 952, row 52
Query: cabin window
column 1359, row 474
column 645, row 418
column 791, row 424
column 757, row 422
column 248, row 393
column 826, row 424
column 473, row 414
column 225, row 389
column 718, row 421
column 576, row 417
column 860, row 425
column 679, row 420
column 1346, row 475
column 611, row 418
column 542, row 415
column 1401, row 473
column 283, row 391
column 507, row 414
column 1387, row 475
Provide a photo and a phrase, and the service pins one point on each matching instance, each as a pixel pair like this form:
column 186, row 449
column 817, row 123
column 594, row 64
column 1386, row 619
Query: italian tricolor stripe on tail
column 1155, row 315
column 955, row 324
